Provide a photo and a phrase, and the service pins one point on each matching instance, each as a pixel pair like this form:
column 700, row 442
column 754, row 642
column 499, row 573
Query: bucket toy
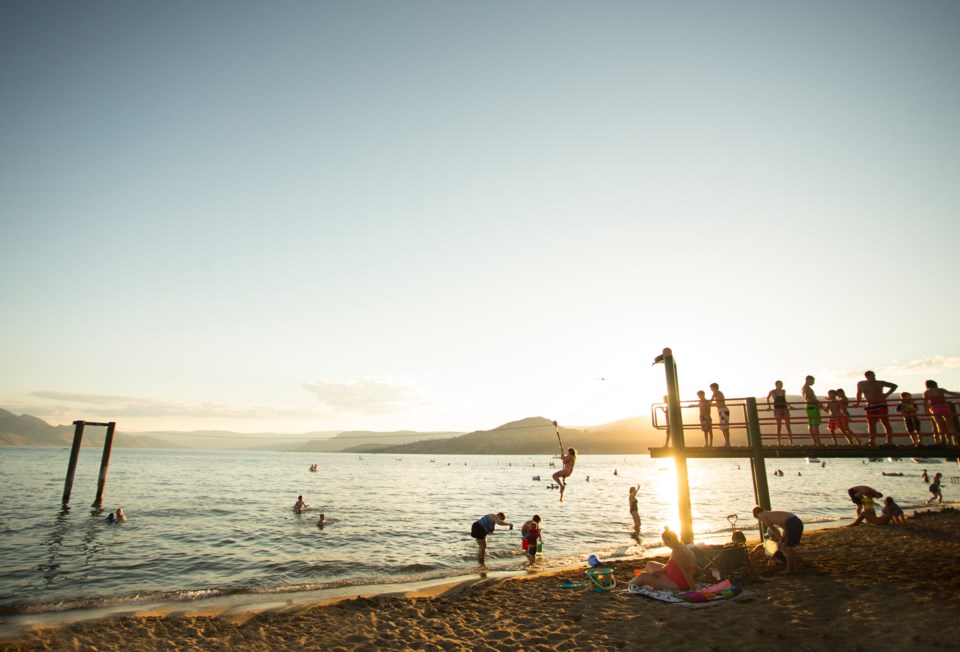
column 601, row 578
column 593, row 561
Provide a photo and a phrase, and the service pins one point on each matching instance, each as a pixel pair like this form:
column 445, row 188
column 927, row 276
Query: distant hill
column 535, row 435
column 538, row 436
column 25, row 430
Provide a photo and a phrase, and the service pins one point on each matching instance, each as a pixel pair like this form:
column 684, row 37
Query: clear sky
column 294, row 216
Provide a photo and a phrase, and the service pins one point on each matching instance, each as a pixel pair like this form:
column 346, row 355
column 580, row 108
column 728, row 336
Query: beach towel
column 702, row 596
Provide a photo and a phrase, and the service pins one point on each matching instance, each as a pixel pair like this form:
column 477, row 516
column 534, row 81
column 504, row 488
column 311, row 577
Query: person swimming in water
column 300, row 506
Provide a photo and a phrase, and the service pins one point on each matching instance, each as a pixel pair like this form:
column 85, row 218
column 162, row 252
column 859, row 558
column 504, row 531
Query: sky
column 303, row 216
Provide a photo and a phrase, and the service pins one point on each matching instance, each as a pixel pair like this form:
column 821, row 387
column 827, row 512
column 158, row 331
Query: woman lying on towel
column 676, row 574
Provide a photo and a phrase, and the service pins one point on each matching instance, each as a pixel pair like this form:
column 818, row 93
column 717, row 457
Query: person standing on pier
column 873, row 391
column 706, row 423
column 781, row 409
column 813, row 409
column 722, row 411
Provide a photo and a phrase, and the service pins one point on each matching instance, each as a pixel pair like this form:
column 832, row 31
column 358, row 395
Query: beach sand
column 858, row 588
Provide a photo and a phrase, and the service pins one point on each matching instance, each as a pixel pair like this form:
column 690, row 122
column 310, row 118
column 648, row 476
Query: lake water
column 217, row 523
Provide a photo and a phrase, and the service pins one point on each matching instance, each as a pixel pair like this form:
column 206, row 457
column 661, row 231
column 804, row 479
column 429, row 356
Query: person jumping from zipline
column 568, row 461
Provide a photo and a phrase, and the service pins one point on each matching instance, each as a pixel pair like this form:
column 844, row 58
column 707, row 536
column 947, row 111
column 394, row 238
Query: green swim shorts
column 813, row 415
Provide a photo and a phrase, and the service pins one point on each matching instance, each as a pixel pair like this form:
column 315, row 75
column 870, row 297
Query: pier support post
column 104, row 463
column 74, row 454
column 758, row 465
column 678, row 445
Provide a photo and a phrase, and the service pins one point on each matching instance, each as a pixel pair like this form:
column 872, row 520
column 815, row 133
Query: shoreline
column 884, row 580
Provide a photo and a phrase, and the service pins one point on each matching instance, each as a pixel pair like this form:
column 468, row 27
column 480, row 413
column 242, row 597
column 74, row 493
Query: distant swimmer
column 323, row 521
column 121, row 517
column 111, row 518
column 300, row 506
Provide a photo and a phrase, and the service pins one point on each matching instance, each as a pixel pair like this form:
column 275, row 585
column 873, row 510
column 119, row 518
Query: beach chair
column 726, row 561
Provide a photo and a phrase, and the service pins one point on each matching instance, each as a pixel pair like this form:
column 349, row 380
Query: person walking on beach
column 532, row 533
column 781, row 410
column 872, row 390
column 634, row 509
column 300, row 506
column 786, row 529
column 935, row 404
column 569, row 460
column 706, row 423
column 723, row 412
column 482, row 527
column 935, row 492
column 676, row 574
column 812, row 408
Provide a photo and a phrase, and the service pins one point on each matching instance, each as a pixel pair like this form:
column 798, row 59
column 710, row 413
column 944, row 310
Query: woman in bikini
column 935, row 403
column 676, row 574
column 568, row 461
column 781, row 409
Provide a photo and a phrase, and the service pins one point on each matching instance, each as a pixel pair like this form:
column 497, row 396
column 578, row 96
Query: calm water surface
column 213, row 523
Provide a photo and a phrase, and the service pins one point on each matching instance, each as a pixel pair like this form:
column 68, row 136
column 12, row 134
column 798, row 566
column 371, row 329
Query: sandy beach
column 858, row 588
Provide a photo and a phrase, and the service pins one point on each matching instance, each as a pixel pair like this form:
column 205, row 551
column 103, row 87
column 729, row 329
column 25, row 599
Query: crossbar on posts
column 75, row 455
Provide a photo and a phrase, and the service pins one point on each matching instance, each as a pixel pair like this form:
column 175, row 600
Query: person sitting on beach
column 862, row 496
column 484, row 526
column 788, row 535
column 676, row 574
column 300, row 506
column 569, row 460
column 891, row 513
column 121, row 517
column 531, row 534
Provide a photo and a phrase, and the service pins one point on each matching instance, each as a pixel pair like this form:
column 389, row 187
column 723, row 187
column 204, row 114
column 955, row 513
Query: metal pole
column 74, row 454
column 679, row 455
column 105, row 462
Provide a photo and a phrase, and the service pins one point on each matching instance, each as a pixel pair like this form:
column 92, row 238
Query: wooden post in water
column 678, row 444
column 74, row 454
column 104, row 463
column 758, row 463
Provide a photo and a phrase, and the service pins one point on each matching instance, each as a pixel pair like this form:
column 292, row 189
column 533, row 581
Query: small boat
column 813, row 460
column 924, row 460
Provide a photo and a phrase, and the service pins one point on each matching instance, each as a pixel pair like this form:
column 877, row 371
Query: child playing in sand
column 908, row 410
column 569, row 460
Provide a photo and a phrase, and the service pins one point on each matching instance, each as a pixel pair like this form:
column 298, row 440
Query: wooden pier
column 759, row 446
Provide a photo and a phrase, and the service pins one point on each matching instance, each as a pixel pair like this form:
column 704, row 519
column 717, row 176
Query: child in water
column 569, row 460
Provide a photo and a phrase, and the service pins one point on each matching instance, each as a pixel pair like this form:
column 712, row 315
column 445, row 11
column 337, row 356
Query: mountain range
column 534, row 435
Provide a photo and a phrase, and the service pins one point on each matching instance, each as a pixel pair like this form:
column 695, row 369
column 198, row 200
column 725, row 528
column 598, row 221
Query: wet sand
column 858, row 588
